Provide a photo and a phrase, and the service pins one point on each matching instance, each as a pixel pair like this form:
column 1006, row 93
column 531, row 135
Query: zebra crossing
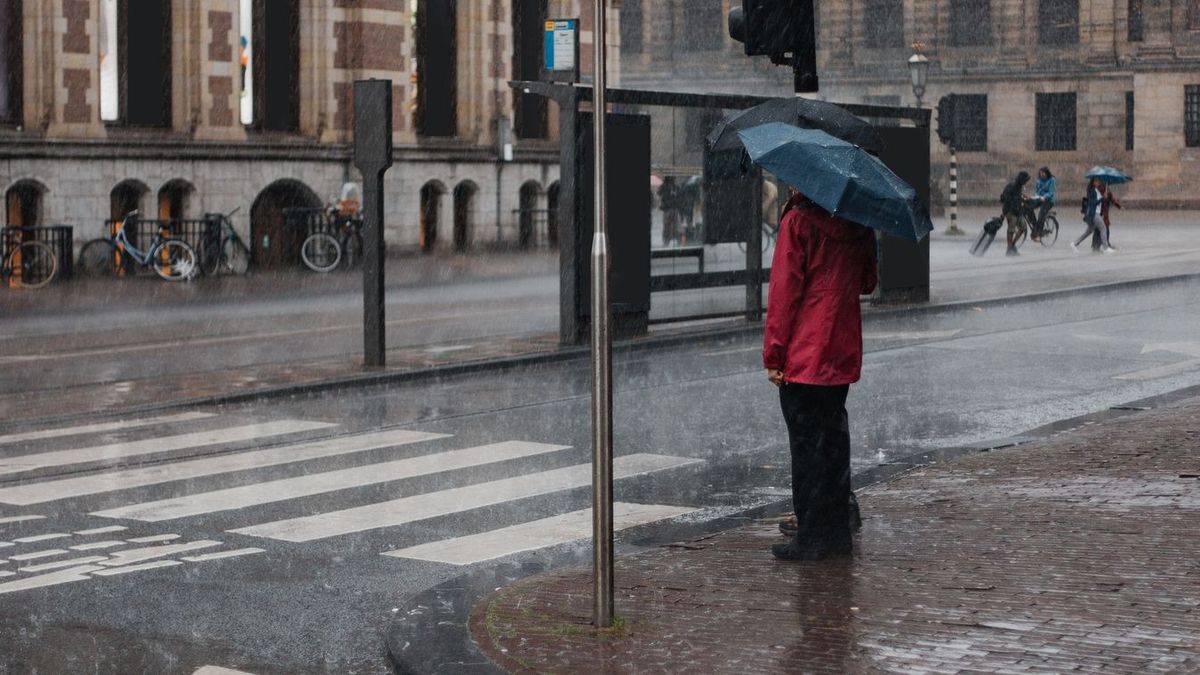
column 166, row 472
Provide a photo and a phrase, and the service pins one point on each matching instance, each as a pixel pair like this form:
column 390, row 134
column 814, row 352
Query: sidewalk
column 1075, row 553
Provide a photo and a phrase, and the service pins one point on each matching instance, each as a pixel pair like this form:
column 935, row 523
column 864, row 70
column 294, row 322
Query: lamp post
column 918, row 69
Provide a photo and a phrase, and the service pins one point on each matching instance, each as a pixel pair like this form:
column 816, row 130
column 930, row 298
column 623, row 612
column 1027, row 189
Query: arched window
column 435, row 26
column 11, row 62
column 529, row 214
column 23, row 204
column 135, row 62
column 272, row 243
column 552, row 214
column 529, row 110
column 464, row 214
column 431, row 212
column 174, row 199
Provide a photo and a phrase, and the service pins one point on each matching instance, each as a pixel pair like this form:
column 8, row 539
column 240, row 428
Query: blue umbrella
column 1109, row 175
column 840, row 177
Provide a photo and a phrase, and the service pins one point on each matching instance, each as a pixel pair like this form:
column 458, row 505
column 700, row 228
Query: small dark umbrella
column 840, row 177
column 1109, row 175
column 798, row 112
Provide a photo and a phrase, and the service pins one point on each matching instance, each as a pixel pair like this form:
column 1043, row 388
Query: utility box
column 903, row 263
column 628, row 173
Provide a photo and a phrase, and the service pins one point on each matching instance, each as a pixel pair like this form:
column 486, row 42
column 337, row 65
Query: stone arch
column 273, row 245
column 528, row 214
column 552, row 194
column 23, row 203
column 431, row 213
column 175, row 199
column 465, row 206
column 128, row 195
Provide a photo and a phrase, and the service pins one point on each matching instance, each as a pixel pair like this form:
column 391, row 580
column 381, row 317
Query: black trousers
column 819, row 436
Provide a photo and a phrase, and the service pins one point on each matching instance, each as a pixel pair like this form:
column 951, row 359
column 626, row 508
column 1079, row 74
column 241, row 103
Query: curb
column 564, row 354
column 430, row 631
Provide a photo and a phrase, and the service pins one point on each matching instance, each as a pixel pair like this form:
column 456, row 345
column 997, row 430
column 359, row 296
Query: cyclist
column 1044, row 190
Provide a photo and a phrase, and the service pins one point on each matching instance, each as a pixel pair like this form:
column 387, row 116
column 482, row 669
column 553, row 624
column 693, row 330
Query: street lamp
column 918, row 68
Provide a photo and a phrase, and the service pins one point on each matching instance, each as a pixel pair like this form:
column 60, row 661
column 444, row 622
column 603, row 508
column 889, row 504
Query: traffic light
column 946, row 121
column 779, row 28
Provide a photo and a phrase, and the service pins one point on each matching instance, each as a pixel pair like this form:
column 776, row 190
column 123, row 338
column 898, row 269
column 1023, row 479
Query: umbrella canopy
column 1109, row 175
column 798, row 112
column 841, row 178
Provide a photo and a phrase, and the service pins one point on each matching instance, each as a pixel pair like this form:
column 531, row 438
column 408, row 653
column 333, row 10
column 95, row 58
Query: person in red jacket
column 812, row 350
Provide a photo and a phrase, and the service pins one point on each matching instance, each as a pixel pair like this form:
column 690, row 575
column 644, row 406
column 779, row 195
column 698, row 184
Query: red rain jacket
column 814, row 325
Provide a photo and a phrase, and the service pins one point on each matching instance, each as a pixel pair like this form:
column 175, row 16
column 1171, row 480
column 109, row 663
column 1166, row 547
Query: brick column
column 71, row 96
column 370, row 39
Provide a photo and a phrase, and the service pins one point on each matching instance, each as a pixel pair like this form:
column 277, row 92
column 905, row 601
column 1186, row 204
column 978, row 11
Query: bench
column 680, row 252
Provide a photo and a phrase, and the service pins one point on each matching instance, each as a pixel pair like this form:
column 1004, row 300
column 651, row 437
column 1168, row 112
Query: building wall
column 65, row 147
column 1011, row 70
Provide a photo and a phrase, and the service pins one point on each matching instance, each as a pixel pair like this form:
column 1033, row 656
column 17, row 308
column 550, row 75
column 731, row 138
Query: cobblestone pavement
column 1077, row 553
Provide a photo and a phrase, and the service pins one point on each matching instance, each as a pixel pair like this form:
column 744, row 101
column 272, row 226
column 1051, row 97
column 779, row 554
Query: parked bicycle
column 221, row 249
column 323, row 252
column 29, row 263
column 769, row 233
column 172, row 259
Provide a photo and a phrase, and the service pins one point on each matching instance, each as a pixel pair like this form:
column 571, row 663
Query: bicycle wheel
column 31, row 265
column 321, row 252
column 236, row 256
column 98, row 258
column 174, row 260
column 210, row 256
column 1050, row 231
column 353, row 249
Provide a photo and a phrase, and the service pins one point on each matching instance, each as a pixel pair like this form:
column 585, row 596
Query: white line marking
column 52, row 579
column 913, row 335
column 48, row 491
column 533, row 535
column 156, row 445
column 5, row 544
column 136, row 555
column 4, row 573
column 34, row 555
column 1161, row 371
column 223, row 554
column 57, row 564
column 103, row 530
column 101, row 427
column 97, row 544
column 153, row 539
column 421, row 507
column 330, row 481
column 136, row 568
column 217, row 670
column 41, row 537
column 19, row 519
column 738, row 350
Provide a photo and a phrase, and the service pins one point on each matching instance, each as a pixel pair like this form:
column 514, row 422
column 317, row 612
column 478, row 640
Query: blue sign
column 561, row 50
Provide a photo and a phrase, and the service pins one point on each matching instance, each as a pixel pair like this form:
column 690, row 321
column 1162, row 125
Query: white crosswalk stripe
column 112, row 451
column 318, row 483
column 102, row 427
column 431, row 505
column 533, row 535
column 53, row 490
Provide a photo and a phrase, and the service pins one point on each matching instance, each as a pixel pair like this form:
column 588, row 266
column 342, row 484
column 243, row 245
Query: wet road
column 278, row 536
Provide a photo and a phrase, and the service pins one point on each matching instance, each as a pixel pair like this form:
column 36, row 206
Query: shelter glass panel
column 970, row 23
column 703, row 28
column 632, row 35
column 883, row 23
column 972, row 124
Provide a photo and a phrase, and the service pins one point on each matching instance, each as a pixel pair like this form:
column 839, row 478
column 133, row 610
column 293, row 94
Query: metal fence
column 60, row 239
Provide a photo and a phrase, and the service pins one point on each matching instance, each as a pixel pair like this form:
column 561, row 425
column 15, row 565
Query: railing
column 60, row 239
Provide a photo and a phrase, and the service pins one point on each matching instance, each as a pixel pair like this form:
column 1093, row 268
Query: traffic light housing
column 785, row 30
column 947, row 119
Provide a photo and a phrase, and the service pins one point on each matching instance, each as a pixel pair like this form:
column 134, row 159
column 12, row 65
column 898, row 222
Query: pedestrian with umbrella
column 1092, row 216
column 1108, row 176
column 825, row 258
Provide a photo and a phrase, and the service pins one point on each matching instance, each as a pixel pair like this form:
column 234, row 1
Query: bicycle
column 29, row 263
column 222, row 248
column 1047, row 234
column 769, row 233
column 322, row 252
column 172, row 259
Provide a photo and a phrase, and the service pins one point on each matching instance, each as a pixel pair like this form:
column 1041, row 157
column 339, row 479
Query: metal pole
column 953, row 228
column 374, row 323
column 602, row 449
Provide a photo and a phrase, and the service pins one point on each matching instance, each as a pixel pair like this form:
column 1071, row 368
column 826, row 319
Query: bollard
column 373, row 156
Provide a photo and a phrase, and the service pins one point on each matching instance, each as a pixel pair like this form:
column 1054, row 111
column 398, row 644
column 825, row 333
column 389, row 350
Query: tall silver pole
column 602, row 447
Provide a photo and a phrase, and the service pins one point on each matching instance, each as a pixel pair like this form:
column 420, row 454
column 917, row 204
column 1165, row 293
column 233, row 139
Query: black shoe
column 789, row 528
column 812, row 550
column 1012, row 252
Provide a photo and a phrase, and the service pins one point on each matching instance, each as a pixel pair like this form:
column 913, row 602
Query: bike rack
column 60, row 239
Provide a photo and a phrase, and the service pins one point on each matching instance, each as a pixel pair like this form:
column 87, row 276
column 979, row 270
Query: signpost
column 561, row 55
column 373, row 156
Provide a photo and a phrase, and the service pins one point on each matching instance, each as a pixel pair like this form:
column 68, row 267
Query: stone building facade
column 1062, row 83
column 190, row 106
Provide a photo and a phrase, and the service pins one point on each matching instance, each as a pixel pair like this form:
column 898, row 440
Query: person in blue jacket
column 1044, row 191
column 1093, row 217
